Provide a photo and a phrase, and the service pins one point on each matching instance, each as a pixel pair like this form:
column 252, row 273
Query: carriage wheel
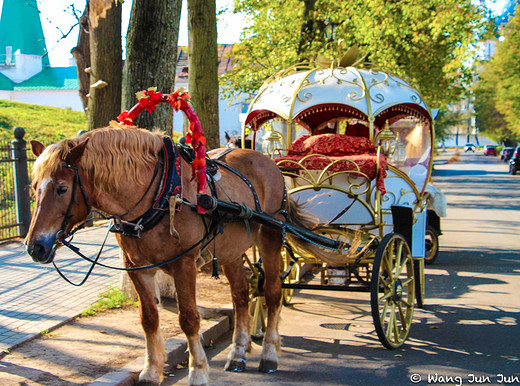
column 293, row 277
column 256, row 298
column 432, row 245
column 392, row 290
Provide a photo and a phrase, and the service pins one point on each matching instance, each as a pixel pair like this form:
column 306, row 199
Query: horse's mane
column 112, row 154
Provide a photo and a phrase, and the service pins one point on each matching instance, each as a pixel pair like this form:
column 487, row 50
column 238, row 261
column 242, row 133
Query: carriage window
column 412, row 148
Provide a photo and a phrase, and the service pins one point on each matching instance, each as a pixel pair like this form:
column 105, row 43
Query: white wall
column 65, row 99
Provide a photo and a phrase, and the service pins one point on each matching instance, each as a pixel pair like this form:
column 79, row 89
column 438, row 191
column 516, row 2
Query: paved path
column 34, row 298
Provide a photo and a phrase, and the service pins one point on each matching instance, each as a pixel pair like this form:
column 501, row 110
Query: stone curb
column 176, row 352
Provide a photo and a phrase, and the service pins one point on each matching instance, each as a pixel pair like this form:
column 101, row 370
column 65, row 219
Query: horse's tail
column 296, row 215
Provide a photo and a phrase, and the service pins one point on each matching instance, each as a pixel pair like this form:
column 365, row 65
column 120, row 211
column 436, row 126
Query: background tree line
column 497, row 92
column 432, row 44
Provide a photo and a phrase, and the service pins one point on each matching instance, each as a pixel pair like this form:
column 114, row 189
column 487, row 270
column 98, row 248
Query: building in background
column 25, row 71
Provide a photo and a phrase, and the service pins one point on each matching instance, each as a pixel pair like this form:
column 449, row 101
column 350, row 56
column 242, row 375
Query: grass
column 112, row 298
column 42, row 123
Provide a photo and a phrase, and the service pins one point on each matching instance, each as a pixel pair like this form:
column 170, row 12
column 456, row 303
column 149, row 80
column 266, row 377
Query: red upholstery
column 331, row 144
column 340, row 148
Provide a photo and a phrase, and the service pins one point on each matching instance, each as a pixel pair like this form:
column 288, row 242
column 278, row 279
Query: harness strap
column 61, row 234
column 171, row 181
column 246, row 181
column 204, row 242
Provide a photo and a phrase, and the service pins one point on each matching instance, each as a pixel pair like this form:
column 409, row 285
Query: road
column 468, row 331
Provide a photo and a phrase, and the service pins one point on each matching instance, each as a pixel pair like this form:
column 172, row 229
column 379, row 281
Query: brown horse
column 113, row 170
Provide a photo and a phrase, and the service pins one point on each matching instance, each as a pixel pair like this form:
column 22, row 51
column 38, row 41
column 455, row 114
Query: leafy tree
column 489, row 120
column 445, row 120
column 498, row 92
column 427, row 42
column 203, row 66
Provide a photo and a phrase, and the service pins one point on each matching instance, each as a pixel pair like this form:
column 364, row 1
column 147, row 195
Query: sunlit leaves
column 429, row 42
column 498, row 93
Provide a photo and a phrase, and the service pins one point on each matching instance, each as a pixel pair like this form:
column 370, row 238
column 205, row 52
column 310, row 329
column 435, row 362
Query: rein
column 205, row 240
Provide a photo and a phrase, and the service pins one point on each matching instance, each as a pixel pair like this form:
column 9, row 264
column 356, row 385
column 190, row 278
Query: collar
column 170, row 185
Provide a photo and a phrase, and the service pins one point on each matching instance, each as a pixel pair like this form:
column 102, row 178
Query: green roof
column 51, row 78
column 5, row 83
column 21, row 28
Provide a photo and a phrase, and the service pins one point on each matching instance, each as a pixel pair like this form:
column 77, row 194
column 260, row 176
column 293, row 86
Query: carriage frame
column 374, row 200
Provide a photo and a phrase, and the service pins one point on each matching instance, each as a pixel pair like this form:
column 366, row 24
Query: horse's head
column 60, row 199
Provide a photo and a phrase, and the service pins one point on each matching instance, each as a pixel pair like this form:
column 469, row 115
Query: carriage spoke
column 402, row 317
column 398, row 255
column 391, row 322
column 383, row 311
column 406, row 282
column 406, row 302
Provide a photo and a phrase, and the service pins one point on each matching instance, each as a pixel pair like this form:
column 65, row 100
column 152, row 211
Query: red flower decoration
column 178, row 99
column 125, row 119
column 149, row 99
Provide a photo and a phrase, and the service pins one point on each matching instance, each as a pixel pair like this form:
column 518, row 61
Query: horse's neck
column 128, row 197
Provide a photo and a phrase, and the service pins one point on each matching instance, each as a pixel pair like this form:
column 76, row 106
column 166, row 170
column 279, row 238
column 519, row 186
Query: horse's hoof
column 236, row 366
column 267, row 366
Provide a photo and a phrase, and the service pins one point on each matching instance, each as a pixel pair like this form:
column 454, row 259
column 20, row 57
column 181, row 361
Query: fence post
column 21, row 181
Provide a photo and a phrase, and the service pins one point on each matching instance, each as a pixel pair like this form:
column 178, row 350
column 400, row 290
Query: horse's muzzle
column 42, row 249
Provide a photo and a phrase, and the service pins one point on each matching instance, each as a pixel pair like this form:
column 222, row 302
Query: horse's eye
column 61, row 190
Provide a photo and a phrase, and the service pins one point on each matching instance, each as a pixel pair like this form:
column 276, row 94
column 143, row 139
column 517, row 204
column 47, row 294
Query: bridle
column 62, row 237
column 77, row 182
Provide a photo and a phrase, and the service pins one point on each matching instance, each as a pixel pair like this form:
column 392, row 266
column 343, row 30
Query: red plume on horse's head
column 148, row 100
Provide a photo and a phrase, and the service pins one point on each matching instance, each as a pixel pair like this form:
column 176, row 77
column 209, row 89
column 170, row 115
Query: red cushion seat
column 340, row 148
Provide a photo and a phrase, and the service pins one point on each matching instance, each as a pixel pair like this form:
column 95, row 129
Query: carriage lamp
column 272, row 141
column 386, row 139
column 399, row 155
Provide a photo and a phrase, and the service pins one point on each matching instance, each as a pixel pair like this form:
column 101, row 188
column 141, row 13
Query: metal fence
column 15, row 197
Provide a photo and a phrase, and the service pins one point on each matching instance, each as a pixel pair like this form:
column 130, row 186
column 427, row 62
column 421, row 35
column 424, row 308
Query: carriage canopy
column 351, row 101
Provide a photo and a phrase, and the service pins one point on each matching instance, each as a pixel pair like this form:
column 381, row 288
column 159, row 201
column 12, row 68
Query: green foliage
column 498, row 92
column 446, row 119
column 429, row 42
column 42, row 123
column 112, row 298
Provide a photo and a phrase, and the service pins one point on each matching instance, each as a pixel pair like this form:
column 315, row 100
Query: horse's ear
column 227, row 136
column 37, row 148
column 76, row 153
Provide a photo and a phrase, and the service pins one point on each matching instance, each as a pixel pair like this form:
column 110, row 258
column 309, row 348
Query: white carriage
column 355, row 146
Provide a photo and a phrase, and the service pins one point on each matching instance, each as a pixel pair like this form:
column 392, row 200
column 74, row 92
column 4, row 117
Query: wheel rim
column 393, row 291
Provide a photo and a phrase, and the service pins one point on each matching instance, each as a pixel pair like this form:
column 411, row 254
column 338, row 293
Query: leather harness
column 171, row 185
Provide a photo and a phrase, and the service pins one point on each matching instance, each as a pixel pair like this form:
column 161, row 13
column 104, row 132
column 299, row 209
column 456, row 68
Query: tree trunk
column 81, row 55
column 203, row 67
column 105, row 49
column 151, row 52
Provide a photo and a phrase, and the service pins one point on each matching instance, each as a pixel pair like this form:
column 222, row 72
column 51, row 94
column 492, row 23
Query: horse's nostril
column 38, row 252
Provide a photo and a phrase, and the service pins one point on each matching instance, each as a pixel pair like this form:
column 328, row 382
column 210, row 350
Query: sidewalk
column 34, row 298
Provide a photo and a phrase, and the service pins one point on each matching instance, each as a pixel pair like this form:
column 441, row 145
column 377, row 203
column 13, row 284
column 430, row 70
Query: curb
column 176, row 352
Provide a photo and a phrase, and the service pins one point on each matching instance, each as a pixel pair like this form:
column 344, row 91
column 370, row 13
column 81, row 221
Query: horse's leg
column 269, row 247
column 144, row 284
column 235, row 273
column 184, row 272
